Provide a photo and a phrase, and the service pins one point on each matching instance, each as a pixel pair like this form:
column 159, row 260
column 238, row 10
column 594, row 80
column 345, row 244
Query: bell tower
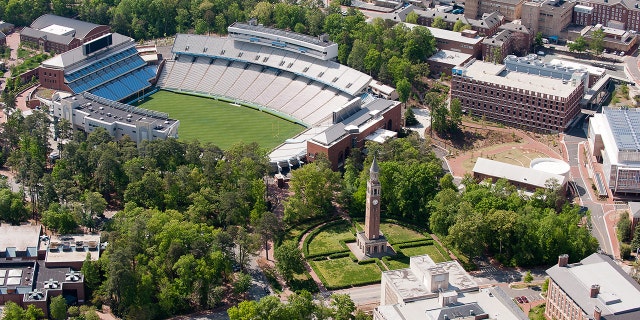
column 372, row 217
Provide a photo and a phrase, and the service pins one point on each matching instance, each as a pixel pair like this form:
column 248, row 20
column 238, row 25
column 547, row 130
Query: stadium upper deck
column 329, row 73
column 319, row 47
column 109, row 66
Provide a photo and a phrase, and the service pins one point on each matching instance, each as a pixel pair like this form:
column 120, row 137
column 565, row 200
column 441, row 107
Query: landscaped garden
column 325, row 248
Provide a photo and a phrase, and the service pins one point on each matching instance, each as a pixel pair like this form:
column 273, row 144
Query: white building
column 434, row 291
column 87, row 112
column 614, row 141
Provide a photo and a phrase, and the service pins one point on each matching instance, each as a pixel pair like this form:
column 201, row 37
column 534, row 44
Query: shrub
column 367, row 261
column 625, row 251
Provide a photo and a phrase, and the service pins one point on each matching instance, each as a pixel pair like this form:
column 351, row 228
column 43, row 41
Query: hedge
column 381, row 265
column 312, row 234
column 414, row 244
column 367, row 261
column 339, row 255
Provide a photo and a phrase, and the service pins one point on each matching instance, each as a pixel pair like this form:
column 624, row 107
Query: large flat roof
column 448, row 35
column 515, row 173
column 618, row 291
column 79, row 246
column 500, row 76
column 19, row 237
column 492, row 301
column 82, row 28
column 409, row 285
column 625, row 127
column 450, row 57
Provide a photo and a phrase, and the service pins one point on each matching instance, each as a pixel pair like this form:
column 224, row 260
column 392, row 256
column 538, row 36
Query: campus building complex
column 54, row 33
column 436, row 291
column 529, row 101
column 486, row 25
column 525, row 179
column 596, row 288
column 619, row 14
column 34, row 268
column 613, row 142
column 614, row 39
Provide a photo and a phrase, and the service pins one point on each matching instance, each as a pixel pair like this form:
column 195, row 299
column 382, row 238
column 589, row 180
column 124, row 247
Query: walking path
column 456, row 163
column 314, row 276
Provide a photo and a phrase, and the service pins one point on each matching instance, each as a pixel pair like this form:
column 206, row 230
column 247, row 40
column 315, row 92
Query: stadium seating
column 264, row 80
column 245, row 80
column 229, row 77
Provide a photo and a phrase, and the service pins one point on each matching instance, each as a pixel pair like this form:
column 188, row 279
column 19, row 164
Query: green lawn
column 397, row 234
column 210, row 120
column 328, row 240
column 431, row 250
column 397, row 263
column 343, row 272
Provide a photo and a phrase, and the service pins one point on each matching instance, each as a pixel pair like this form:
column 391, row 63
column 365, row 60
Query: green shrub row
column 367, row 261
column 381, row 265
column 308, row 284
column 441, row 249
column 339, row 255
column 318, row 258
column 414, row 244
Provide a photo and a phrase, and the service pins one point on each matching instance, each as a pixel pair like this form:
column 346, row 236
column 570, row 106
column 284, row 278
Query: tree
column 289, row 259
column 310, row 197
column 242, row 283
column 624, row 227
column 13, row 311
column 412, row 17
column 410, row 117
column 439, row 23
column 597, row 42
column 58, row 308
column 344, row 307
column 455, row 112
column 538, row 42
column 268, row 226
column 528, row 277
column 245, row 310
column 404, row 89
column 93, row 204
column 460, row 26
column 579, row 45
column 635, row 242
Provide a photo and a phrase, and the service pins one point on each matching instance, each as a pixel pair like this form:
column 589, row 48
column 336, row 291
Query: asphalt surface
column 572, row 139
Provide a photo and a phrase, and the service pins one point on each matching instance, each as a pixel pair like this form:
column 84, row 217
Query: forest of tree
column 519, row 230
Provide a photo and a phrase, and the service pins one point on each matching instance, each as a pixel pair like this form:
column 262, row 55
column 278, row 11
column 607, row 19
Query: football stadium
column 281, row 89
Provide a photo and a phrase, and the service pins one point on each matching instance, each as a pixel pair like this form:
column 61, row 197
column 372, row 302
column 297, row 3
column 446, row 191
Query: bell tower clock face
column 375, row 202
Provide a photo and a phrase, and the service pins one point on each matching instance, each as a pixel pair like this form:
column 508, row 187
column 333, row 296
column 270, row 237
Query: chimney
column 595, row 289
column 563, row 260
column 597, row 313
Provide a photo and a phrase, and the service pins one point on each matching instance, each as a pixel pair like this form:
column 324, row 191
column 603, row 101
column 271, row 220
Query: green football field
column 224, row 124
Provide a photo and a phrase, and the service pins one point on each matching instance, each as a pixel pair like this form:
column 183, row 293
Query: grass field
column 431, row 250
column 344, row 272
column 221, row 123
column 396, row 234
column 328, row 240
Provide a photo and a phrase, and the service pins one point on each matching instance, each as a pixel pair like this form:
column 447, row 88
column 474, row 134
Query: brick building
column 596, row 288
column 620, row 14
column 486, row 25
column 510, row 9
column 532, row 102
column 54, row 33
column 614, row 39
column 497, row 47
column 550, row 17
column 377, row 121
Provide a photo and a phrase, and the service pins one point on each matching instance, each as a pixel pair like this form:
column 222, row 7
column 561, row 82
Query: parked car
column 541, row 53
column 524, row 299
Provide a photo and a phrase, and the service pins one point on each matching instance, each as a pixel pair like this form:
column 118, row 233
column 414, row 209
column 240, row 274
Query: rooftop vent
column 51, row 284
column 72, row 276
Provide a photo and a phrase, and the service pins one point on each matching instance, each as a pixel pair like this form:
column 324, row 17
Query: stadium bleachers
column 306, row 88
column 99, row 64
column 126, row 85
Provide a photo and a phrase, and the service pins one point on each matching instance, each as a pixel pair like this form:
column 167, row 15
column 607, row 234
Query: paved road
column 572, row 139
column 364, row 296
